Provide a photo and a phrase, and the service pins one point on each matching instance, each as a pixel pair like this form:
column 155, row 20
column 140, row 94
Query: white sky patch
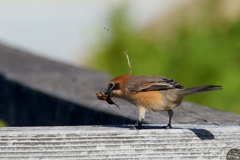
column 64, row 30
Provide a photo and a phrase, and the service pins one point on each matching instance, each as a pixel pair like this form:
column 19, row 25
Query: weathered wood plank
column 118, row 142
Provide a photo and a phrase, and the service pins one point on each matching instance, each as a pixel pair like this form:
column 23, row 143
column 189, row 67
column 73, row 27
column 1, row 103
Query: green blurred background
column 196, row 45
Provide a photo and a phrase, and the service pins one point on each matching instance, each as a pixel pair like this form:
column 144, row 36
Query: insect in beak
column 106, row 96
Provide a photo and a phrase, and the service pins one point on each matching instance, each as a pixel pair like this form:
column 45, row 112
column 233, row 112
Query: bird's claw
column 169, row 126
column 139, row 126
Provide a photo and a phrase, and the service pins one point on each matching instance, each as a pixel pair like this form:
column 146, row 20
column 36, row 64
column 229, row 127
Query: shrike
column 150, row 93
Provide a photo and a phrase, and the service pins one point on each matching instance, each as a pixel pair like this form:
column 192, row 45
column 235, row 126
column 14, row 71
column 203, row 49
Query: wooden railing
column 35, row 91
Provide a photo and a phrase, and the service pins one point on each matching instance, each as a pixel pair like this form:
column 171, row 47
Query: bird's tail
column 200, row 89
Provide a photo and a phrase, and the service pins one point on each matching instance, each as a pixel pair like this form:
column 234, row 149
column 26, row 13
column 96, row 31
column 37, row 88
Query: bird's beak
column 108, row 91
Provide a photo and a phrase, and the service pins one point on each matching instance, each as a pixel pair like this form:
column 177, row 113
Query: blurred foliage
column 195, row 50
column 3, row 123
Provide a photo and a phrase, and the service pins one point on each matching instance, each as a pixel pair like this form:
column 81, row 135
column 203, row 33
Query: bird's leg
column 138, row 124
column 170, row 114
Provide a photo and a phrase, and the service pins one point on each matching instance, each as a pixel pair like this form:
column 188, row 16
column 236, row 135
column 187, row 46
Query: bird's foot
column 169, row 126
column 139, row 126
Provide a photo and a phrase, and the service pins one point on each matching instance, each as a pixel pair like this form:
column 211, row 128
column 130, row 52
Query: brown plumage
column 152, row 93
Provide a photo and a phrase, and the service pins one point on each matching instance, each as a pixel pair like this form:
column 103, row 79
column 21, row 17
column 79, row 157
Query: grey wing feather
column 151, row 83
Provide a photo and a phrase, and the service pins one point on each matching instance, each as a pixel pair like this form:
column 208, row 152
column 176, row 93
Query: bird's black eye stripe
column 111, row 85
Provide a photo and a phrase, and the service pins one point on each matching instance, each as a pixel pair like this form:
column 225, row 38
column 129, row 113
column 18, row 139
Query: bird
column 152, row 93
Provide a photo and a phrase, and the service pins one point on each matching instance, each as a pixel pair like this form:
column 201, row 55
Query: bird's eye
column 111, row 85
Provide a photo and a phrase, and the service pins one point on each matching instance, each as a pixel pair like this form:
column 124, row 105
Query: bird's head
column 117, row 85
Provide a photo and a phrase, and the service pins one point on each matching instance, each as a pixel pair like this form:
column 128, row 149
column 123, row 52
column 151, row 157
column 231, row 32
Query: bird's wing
column 151, row 83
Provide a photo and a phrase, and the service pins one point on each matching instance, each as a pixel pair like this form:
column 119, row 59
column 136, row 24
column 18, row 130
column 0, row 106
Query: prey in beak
column 106, row 96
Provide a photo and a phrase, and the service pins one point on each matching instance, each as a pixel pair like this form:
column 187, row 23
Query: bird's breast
column 151, row 100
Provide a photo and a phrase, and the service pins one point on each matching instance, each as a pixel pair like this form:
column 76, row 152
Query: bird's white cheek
column 117, row 93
